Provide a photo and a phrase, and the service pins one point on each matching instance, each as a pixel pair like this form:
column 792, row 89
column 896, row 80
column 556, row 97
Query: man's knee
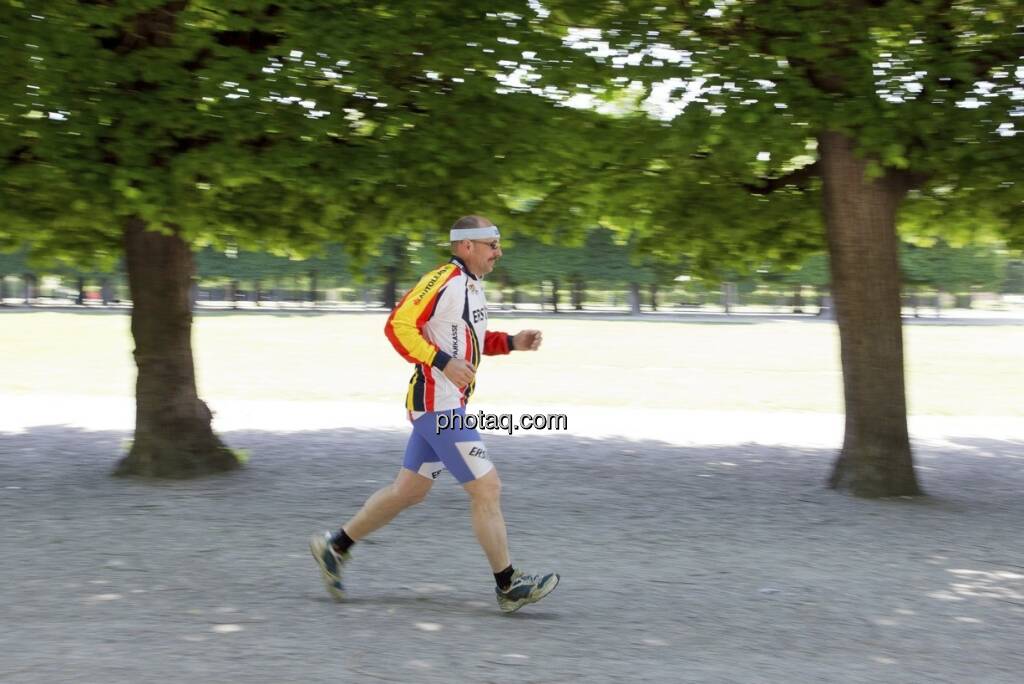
column 410, row 494
column 486, row 488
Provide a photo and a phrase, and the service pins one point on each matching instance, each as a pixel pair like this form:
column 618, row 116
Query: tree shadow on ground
column 736, row 555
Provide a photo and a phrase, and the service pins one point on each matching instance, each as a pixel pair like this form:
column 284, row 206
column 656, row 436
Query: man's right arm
column 404, row 327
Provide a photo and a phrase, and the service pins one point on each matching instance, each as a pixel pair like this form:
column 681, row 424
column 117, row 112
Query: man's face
column 483, row 254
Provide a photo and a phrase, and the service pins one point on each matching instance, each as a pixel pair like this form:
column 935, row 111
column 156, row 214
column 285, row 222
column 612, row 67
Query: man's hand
column 459, row 372
column 527, row 340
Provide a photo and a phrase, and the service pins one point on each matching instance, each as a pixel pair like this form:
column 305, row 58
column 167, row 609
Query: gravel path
column 679, row 564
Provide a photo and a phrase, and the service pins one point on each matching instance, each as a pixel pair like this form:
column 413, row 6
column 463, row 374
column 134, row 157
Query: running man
column 440, row 325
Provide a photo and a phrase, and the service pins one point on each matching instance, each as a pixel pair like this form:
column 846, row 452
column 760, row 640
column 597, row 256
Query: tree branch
column 798, row 178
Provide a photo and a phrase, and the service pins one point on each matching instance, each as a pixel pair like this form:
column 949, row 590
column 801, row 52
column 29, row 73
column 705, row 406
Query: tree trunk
column 233, row 293
column 26, row 280
column 727, row 297
column 105, row 291
column 860, row 219
column 654, row 296
column 313, row 287
column 634, row 298
column 257, row 288
column 80, row 298
column 578, row 287
column 391, row 288
column 798, row 299
column 554, row 295
column 173, row 435
column 3, row 289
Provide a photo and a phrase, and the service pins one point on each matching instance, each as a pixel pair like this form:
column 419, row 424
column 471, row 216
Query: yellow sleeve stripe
column 405, row 324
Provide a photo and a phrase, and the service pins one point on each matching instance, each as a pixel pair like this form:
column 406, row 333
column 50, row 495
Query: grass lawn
column 771, row 366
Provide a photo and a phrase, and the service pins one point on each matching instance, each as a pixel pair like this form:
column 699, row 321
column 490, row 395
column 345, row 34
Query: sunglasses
column 494, row 244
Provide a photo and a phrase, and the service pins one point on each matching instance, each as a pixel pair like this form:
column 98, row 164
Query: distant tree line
column 558, row 276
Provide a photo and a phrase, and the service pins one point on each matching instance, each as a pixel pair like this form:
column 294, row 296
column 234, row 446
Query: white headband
column 474, row 233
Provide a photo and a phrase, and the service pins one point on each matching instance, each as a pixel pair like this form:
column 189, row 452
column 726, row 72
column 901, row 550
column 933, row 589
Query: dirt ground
column 679, row 563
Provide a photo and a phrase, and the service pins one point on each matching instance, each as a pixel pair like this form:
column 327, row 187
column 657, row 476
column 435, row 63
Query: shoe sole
column 532, row 599
column 317, row 547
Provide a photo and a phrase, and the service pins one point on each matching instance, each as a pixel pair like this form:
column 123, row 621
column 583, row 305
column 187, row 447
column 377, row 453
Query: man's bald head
column 471, row 221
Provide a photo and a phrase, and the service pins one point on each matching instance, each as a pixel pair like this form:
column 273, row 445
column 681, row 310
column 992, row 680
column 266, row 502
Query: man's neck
column 462, row 264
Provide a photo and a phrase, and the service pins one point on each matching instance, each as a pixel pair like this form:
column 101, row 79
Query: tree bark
column 313, row 288
column 173, row 433
column 554, row 295
column 860, row 219
column 80, row 298
column 798, row 299
column 654, row 296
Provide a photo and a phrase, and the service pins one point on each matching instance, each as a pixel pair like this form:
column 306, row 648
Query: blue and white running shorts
column 458, row 450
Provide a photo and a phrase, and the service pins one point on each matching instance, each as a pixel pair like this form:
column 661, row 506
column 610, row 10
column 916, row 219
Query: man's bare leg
column 488, row 522
column 407, row 490
column 518, row 589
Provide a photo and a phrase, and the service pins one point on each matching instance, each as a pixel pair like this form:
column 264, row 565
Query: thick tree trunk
column 173, row 435
column 28, row 280
column 80, row 299
column 554, row 295
column 232, row 294
column 798, row 299
column 860, row 218
column 654, row 296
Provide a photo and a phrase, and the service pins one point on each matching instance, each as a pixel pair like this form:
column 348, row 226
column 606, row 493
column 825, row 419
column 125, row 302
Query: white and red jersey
column 443, row 317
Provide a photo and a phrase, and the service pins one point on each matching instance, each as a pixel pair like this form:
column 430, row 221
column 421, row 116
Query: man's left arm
column 503, row 343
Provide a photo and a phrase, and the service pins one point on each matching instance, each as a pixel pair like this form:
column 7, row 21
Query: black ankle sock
column 342, row 542
column 504, row 578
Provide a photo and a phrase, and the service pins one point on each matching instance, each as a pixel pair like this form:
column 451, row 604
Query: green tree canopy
column 756, row 116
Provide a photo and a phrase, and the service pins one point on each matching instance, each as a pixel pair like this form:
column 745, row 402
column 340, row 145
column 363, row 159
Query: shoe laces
column 521, row 578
